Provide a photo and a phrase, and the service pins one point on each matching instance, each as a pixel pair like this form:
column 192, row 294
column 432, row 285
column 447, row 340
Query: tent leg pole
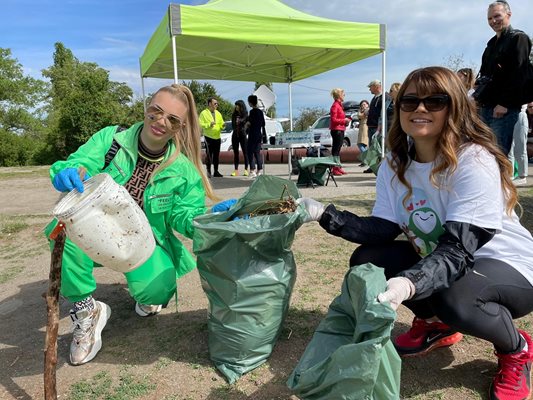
column 383, row 102
column 142, row 87
column 290, row 106
column 174, row 59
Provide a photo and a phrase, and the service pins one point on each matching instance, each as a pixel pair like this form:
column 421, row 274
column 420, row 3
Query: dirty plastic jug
column 107, row 224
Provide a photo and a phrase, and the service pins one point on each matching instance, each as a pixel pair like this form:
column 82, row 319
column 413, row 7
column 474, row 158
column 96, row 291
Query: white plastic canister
column 107, row 224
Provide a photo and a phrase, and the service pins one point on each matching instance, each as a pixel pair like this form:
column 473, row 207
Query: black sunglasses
column 436, row 102
column 154, row 112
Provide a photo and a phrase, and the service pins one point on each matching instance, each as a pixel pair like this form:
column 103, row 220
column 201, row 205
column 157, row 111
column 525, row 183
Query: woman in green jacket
column 159, row 162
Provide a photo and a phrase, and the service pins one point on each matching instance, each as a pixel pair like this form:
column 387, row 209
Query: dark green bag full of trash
column 247, row 270
column 351, row 356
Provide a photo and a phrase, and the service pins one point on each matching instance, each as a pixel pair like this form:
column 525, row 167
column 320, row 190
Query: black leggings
column 482, row 303
column 236, row 139
column 213, row 151
column 337, row 137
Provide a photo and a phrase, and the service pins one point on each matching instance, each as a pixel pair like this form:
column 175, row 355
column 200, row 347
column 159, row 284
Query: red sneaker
column 342, row 171
column 425, row 336
column 513, row 379
column 336, row 171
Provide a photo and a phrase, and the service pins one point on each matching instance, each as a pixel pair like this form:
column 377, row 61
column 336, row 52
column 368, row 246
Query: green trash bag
column 315, row 170
column 372, row 155
column 247, row 270
column 351, row 356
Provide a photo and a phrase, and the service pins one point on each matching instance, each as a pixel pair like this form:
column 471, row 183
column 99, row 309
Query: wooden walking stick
column 52, row 306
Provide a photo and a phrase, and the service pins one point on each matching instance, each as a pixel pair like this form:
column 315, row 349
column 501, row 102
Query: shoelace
column 83, row 325
column 510, row 369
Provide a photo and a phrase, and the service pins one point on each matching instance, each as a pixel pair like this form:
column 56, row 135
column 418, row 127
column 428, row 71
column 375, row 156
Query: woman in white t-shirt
column 467, row 266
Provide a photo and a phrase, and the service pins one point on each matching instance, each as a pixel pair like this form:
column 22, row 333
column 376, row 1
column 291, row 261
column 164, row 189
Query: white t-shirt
column 472, row 194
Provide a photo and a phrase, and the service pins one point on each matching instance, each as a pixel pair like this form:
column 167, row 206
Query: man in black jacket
column 504, row 66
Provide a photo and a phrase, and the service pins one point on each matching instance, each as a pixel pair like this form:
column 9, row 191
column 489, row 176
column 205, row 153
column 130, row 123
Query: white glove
column 314, row 208
column 398, row 290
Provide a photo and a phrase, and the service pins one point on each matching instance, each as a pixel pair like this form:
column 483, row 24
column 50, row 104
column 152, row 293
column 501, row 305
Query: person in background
column 158, row 161
column 504, row 68
column 529, row 112
column 362, row 115
column 393, row 92
column 466, row 75
column 256, row 133
column 212, row 123
column 238, row 137
column 337, row 125
column 518, row 151
column 467, row 266
column 374, row 112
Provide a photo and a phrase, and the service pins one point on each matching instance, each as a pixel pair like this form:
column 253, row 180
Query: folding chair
column 316, row 171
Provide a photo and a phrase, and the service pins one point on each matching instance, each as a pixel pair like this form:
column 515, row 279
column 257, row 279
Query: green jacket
column 171, row 201
column 205, row 120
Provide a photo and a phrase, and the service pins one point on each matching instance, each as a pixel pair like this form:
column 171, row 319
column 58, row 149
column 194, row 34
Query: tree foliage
column 307, row 117
column 21, row 123
column 203, row 91
column 82, row 101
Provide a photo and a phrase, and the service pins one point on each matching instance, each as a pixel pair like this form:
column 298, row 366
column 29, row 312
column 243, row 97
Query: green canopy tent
column 246, row 40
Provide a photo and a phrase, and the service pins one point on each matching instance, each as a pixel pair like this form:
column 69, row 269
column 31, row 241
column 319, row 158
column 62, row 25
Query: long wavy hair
column 187, row 138
column 462, row 126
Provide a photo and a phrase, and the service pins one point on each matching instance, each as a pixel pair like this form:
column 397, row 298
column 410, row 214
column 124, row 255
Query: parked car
column 322, row 133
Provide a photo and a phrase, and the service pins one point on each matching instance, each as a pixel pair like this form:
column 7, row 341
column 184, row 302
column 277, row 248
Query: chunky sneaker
column 146, row 310
column 520, row 181
column 88, row 326
column 513, row 379
column 245, row 172
column 235, row 173
column 253, row 175
column 425, row 336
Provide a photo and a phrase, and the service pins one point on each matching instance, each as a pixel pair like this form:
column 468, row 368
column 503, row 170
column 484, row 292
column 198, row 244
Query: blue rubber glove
column 245, row 216
column 68, row 179
column 223, row 205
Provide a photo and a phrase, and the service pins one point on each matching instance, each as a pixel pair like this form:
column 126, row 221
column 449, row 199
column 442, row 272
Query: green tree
column 83, row 101
column 203, row 91
column 307, row 117
column 21, row 122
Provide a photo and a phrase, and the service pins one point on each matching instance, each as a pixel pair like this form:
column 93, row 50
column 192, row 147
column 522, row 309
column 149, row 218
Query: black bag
column 481, row 86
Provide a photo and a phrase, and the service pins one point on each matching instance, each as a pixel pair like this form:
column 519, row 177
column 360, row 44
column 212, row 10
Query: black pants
column 254, row 153
column 337, row 137
column 213, row 152
column 482, row 303
column 236, row 140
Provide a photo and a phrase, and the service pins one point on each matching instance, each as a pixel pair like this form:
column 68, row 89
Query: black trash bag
column 314, row 151
column 247, row 270
column 351, row 356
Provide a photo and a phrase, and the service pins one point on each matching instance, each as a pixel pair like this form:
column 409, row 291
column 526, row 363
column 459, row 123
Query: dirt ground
column 166, row 356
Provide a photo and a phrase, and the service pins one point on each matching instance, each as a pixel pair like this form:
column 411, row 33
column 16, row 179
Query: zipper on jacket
column 120, row 170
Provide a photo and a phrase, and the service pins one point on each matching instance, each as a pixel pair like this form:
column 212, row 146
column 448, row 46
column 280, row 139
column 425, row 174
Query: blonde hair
column 187, row 138
column 336, row 93
column 468, row 77
column 462, row 126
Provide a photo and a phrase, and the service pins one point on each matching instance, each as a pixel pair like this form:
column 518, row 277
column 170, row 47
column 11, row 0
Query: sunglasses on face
column 436, row 102
column 154, row 113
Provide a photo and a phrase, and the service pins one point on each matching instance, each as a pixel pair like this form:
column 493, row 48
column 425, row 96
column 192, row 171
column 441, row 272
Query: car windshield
column 322, row 123
column 228, row 128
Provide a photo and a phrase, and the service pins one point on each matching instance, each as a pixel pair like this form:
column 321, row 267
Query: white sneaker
column 252, row 175
column 520, row 181
column 86, row 337
column 146, row 310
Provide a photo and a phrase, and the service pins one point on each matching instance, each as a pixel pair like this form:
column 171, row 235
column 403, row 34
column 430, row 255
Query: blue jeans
column 502, row 127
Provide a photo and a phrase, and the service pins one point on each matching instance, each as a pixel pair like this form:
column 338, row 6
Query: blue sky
column 114, row 33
